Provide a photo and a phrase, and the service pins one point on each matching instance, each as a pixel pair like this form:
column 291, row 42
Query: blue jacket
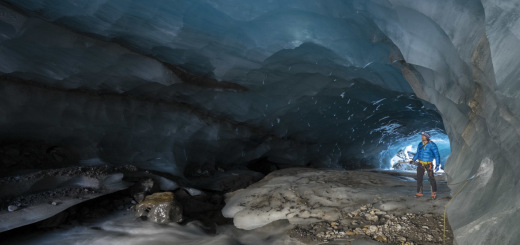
column 427, row 153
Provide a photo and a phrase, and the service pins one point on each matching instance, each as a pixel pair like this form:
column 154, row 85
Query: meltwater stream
column 124, row 228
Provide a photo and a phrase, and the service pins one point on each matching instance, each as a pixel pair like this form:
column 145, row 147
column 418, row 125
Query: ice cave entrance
column 403, row 150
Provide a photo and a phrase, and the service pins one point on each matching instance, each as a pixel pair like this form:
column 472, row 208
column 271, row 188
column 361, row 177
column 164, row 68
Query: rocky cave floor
column 411, row 228
column 344, row 207
column 423, row 225
column 333, row 207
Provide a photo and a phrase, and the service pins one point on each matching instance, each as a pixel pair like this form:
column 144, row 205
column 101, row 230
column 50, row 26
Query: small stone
column 425, row 227
column 381, row 238
column 54, row 203
column 373, row 228
column 429, row 237
column 401, row 239
column 350, row 233
column 371, row 217
column 12, row 208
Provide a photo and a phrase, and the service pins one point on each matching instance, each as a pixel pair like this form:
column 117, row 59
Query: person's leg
column 431, row 179
column 420, row 174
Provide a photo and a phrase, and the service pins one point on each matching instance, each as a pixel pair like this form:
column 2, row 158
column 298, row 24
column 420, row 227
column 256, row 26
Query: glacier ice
column 169, row 84
column 302, row 196
column 103, row 67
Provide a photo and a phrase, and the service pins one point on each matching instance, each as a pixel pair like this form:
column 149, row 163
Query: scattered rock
column 381, row 238
column 372, row 229
column 394, row 229
column 371, row 217
column 160, row 208
column 334, row 225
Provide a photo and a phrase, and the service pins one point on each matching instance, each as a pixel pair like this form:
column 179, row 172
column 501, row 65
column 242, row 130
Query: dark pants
column 420, row 175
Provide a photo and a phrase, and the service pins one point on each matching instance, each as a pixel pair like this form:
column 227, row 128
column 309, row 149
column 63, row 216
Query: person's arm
column 416, row 154
column 436, row 156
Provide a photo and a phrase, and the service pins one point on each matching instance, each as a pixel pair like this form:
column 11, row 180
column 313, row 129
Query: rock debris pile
column 368, row 222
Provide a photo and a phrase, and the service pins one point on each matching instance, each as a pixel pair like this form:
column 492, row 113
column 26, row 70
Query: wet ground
column 290, row 206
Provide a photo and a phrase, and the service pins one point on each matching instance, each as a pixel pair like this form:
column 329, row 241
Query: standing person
column 426, row 152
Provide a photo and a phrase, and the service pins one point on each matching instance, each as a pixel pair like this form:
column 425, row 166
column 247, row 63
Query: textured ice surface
column 42, row 195
column 306, row 98
column 304, row 196
column 313, row 72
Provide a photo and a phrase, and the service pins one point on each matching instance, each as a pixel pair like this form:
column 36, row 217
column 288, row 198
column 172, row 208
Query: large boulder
column 160, row 208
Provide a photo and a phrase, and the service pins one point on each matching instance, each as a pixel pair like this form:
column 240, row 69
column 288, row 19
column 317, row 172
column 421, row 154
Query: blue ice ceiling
column 294, row 81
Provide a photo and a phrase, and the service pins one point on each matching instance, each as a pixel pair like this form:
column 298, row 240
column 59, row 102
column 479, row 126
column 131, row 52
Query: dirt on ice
column 344, row 207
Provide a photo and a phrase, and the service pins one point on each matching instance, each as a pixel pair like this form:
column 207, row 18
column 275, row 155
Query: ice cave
column 259, row 122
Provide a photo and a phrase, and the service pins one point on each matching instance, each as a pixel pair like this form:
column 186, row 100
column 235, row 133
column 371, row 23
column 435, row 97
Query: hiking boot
column 434, row 195
column 418, row 195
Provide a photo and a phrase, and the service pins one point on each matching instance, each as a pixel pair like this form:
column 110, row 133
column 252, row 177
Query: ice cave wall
column 300, row 72
column 464, row 53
